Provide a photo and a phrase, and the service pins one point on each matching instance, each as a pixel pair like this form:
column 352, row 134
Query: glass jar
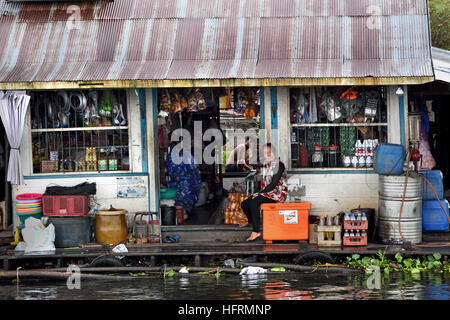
column 317, row 156
column 333, row 156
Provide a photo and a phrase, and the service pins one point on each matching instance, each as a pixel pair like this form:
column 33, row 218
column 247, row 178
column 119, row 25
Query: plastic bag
column 330, row 105
column 118, row 249
column 37, row 237
column 253, row 270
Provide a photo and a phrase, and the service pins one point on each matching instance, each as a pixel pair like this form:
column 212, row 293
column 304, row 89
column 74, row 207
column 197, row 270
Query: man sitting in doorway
column 238, row 161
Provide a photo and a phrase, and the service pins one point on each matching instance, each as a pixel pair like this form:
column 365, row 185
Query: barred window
column 80, row 130
column 336, row 127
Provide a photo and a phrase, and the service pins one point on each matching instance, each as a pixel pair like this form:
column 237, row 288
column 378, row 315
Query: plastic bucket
column 168, row 215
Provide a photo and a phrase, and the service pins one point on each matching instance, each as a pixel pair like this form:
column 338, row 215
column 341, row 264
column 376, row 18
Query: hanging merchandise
column 313, row 105
column 201, row 103
column 428, row 162
column 371, row 105
column 349, row 95
column 78, row 101
column 176, row 102
column 350, row 107
column 330, row 105
column 165, row 101
column 91, row 111
column 184, row 103
column 185, row 177
column 242, row 102
column 163, row 138
column 251, row 112
column 61, row 99
column 105, row 104
column 192, row 103
column 301, row 108
column 230, row 92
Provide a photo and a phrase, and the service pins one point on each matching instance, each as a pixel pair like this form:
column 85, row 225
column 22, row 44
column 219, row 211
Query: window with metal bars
column 336, row 127
column 79, row 130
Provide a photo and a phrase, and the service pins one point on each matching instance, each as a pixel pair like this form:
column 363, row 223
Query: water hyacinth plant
column 430, row 263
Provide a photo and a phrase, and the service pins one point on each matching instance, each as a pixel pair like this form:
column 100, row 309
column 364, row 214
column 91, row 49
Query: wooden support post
column 152, row 261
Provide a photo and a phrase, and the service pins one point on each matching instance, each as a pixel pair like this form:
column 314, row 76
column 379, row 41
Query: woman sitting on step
column 274, row 189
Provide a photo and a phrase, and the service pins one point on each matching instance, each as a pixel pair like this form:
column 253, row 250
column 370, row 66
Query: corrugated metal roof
column 441, row 64
column 214, row 39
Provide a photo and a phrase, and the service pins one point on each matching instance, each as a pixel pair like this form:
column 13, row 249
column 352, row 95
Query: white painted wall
column 332, row 193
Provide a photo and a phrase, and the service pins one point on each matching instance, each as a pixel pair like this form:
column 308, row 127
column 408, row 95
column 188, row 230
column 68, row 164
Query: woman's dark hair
column 268, row 145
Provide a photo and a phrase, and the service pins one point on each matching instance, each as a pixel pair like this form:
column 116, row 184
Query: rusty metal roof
column 213, row 39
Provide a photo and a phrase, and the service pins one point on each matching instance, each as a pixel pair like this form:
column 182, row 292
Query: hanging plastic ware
column 176, row 102
column 330, row 105
column 242, row 102
column 349, row 94
column 78, row 101
column 201, row 103
column 61, row 99
column 165, row 101
column 192, row 102
column 184, row 103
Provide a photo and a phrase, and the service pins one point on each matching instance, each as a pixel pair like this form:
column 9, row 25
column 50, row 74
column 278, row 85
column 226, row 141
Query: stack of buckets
column 29, row 205
column 433, row 218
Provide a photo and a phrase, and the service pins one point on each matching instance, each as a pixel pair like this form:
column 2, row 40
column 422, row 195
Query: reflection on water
column 289, row 286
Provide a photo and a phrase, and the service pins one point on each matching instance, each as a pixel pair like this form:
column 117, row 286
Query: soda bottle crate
column 322, row 242
column 358, row 225
column 355, row 241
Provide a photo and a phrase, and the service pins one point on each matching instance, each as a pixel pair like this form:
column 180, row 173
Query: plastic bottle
column 346, row 216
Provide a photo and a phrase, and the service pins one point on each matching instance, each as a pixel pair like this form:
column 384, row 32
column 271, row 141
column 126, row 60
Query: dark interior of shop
column 434, row 116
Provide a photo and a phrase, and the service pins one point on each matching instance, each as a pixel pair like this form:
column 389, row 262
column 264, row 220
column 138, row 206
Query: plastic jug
column 389, row 159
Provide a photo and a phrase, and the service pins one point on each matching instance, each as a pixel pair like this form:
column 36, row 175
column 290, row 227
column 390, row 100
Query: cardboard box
column 48, row 166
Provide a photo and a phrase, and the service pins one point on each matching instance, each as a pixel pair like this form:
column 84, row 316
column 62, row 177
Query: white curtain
column 13, row 108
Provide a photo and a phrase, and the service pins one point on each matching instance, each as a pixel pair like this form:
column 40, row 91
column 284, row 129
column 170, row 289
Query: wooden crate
column 337, row 242
column 313, row 234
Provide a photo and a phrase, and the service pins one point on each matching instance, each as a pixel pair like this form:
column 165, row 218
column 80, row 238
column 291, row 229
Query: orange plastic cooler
column 285, row 221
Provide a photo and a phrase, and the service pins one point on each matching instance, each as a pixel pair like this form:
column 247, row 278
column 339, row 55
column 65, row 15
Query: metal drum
column 390, row 200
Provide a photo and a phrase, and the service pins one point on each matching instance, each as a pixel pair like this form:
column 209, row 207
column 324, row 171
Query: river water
column 289, row 286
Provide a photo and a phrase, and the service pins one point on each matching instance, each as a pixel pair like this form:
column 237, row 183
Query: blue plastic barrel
column 433, row 218
column 389, row 159
column 435, row 178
